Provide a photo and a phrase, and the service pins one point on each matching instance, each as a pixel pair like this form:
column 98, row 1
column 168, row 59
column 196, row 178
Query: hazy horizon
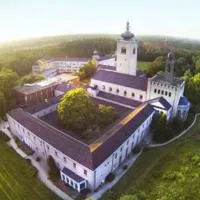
column 21, row 20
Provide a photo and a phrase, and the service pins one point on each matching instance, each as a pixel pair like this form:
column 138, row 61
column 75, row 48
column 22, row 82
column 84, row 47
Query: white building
column 82, row 165
column 118, row 83
column 55, row 66
column 126, row 81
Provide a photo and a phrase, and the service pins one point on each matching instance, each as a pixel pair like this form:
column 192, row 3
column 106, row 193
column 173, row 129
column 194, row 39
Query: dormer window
column 123, row 50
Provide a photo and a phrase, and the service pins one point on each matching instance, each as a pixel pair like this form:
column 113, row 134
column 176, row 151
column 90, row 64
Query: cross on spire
column 127, row 26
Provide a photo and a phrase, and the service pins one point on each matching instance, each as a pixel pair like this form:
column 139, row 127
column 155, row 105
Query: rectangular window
column 85, row 172
column 123, row 50
column 141, row 97
column 125, row 93
column 74, row 165
column 155, row 90
column 115, row 155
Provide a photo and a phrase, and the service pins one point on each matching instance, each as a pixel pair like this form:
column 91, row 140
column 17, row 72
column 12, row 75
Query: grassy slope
column 147, row 173
column 143, row 65
column 16, row 182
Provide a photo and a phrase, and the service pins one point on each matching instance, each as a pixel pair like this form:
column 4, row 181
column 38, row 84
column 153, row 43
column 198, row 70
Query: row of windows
column 123, row 50
column 165, row 85
column 47, row 146
column 117, row 91
column 166, row 93
column 139, row 135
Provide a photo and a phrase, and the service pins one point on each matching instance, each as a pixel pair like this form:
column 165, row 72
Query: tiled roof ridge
column 46, row 125
column 118, row 125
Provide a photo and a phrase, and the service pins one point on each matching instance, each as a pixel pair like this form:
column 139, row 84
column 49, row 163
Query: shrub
column 38, row 159
column 110, row 195
column 136, row 150
column 125, row 167
column 32, row 171
column 17, row 140
column 4, row 137
column 110, row 177
column 53, row 171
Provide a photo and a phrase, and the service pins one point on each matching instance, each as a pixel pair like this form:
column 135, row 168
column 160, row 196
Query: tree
column 30, row 78
column 197, row 64
column 87, row 70
column 2, row 105
column 106, row 115
column 53, row 171
column 156, row 66
column 77, row 111
column 192, row 88
column 159, row 126
column 8, row 80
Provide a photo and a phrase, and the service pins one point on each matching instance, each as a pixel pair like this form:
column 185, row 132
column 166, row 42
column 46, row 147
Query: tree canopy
column 78, row 113
column 192, row 89
column 87, row 70
column 76, row 110
column 30, row 78
column 8, row 80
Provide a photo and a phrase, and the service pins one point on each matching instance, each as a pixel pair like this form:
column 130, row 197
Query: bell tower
column 127, row 53
column 169, row 67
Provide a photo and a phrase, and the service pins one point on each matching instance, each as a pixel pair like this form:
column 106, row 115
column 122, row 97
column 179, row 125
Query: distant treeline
column 22, row 59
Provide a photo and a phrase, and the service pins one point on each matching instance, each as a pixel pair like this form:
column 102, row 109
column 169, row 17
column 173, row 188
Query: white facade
column 94, row 178
column 108, row 62
column 131, row 93
column 161, row 109
column 52, row 67
column 127, row 56
column 165, row 89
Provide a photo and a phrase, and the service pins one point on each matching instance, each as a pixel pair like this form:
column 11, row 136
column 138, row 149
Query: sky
column 21, row 19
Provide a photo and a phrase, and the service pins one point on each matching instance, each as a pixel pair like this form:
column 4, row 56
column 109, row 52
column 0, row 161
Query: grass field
column 168, row 173
column 17, row 178
column 143, row 66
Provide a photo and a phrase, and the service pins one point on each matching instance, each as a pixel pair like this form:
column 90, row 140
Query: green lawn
column 167, row 173
column 17, row 180
column 143, row 65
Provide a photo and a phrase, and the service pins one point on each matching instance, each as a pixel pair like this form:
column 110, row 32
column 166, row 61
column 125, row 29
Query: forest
column 18, row 57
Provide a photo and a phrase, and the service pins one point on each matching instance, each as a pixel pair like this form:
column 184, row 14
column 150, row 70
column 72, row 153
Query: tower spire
column 127, row 26
column 127, row 35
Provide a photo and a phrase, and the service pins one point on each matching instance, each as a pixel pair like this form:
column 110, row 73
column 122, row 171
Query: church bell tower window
column 123, row 50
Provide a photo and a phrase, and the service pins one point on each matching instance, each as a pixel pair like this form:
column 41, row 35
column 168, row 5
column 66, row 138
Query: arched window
column 155, row 90
column 125, row 93
column 141, row 97
column 117, row 90
column 158, row 91
column 168, row 68
column 123, row 50
column 166, row 93
column 110, row 89
column 170, row 94
column 103, row 87
column 133, row 94
column 134, row 50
